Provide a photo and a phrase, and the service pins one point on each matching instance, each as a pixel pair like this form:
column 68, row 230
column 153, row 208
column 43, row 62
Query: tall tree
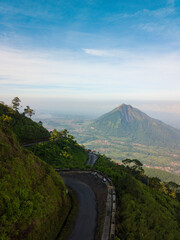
column 16, row 103
column 134, row 165
column 29, row 111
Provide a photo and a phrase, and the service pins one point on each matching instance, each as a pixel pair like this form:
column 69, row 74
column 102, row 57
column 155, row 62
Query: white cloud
column 152, row 27
column 109, row 74
column 158, row 13
column 110, row 53
column 97, row 52
column 162, row 12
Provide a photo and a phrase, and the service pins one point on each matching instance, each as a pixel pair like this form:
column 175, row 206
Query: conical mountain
column 135, row 126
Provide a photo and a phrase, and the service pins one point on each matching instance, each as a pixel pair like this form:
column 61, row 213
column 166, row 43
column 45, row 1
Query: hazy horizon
column 168, row 112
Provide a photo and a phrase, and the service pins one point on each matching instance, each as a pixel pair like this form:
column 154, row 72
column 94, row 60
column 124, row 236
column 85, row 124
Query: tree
column 64, row 155
column 173, row 185
column 16, row 103
column 4, row 121
column 55, row 135
column 155, row 183
column 134, row 165
column 64, row 133
column 71, row 137
column 40, row 123
column 29, row 111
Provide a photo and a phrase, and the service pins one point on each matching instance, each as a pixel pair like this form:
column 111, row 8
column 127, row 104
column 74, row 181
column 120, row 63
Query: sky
column 68, row 55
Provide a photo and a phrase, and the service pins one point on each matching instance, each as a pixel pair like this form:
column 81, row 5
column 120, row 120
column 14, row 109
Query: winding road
column 85, row 224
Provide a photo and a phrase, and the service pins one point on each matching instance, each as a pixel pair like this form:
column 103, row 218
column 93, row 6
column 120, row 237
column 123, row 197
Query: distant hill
column 164, row 176
column 137, row 127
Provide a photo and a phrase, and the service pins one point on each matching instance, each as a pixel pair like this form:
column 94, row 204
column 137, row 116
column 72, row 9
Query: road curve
column 85, row 224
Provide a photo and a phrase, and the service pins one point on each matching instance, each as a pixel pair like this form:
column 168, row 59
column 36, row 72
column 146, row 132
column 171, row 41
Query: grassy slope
column 164, row 176
column 64, row 153
column 25, row 129
column 142, row 212
column 33, row 202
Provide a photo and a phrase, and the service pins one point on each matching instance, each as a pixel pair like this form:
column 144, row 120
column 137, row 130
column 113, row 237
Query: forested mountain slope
column 135, row 126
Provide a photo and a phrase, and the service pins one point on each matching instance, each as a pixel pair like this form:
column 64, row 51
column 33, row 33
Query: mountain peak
column 128, row 113
column 129, row 122
column 124, row 107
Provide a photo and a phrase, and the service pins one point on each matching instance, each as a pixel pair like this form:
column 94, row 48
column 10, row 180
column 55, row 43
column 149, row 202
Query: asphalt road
column 92, row 159
column 85, row 224
column 31, row 144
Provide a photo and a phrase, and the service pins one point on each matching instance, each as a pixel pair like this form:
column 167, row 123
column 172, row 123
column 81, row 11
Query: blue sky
column 76, row 24
column 121, row 51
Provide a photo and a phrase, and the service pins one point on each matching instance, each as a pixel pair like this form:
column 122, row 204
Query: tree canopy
column 16, row 103
column 28, row 111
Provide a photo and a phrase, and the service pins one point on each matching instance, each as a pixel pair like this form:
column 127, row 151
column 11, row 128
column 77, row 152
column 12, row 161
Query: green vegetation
column 152, row 156
column 33, row 202
column 143, row 212
column 62, row 151
column 164, row 176
column 25, row 129
column 127, row 132
column 118, row 148
column 16, row 103
column 28, row 111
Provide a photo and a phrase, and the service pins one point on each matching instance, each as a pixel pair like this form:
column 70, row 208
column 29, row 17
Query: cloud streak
column 107, row 73
column 145, row 13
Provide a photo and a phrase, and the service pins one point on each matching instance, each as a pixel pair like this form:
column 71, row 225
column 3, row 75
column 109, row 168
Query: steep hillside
column 25, row 129
column 64, row 152
column 33, row 202
column 135, row 126
column 143, row 212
